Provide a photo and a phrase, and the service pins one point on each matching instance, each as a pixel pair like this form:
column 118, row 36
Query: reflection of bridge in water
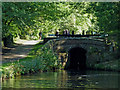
column 78, row 51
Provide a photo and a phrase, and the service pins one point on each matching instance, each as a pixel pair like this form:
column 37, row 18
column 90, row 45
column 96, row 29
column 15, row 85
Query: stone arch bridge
column 78, row 52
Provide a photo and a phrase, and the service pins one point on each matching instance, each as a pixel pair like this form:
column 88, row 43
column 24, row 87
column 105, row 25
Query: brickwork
column 94, row 47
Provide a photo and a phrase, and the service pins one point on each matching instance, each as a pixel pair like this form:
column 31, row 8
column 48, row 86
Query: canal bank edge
column 42, row 58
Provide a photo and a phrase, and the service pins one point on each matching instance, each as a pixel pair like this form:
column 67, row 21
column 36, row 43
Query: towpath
column 19, row 51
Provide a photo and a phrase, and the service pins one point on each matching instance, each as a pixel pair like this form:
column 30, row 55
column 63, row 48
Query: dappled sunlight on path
column 27, row 42
column 20, row 51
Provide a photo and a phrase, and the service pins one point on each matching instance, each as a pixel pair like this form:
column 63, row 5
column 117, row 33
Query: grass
column 37, row 60
column 41, row 58
column 109, row 65
column 32, row 54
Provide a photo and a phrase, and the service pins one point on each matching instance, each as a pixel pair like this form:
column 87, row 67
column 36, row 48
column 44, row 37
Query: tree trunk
column 118, row 53
column 8, row 41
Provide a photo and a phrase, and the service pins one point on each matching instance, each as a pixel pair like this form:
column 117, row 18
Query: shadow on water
column 66, row 79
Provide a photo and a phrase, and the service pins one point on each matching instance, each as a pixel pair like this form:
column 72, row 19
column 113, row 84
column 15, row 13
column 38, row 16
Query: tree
column 28, row 18
column 107, row 14
column 13, row 18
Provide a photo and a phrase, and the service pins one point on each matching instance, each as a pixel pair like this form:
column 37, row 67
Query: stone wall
column 95, row 49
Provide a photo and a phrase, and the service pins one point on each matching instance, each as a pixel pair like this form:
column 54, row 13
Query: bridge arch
column 93, row 50
column 76, row 58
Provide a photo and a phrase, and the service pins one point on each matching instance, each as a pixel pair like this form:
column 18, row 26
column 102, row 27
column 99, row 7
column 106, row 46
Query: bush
column 41, row 60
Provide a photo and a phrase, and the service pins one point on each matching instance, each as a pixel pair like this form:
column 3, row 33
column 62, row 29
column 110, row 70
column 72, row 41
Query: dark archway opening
column 76, row 59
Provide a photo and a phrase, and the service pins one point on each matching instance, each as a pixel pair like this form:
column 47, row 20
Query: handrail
column 78, row 35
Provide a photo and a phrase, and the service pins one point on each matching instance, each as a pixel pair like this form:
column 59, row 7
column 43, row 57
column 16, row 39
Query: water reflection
column 65, row 79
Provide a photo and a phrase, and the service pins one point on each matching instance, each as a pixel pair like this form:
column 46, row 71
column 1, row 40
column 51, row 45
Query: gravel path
column 20, row 51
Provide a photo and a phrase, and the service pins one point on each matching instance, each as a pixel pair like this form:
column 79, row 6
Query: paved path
column 20, row 51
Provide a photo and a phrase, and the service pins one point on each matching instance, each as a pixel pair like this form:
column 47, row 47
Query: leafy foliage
column 41, row 60
column 28, row 18
column 107, row 19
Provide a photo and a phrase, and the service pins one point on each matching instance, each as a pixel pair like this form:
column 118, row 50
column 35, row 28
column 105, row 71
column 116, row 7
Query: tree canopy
column 28, row 18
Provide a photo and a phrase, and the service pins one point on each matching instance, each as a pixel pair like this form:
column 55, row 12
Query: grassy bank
column 112, row 65
column 39, row 59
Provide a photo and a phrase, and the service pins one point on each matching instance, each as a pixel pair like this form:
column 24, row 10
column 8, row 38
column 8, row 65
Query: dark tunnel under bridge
column 78, row 53
column 76, row 59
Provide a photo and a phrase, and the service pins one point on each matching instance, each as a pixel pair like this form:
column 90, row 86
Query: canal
column 66, row 79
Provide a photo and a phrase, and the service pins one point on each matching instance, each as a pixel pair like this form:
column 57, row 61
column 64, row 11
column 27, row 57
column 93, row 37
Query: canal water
column 66, row 79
